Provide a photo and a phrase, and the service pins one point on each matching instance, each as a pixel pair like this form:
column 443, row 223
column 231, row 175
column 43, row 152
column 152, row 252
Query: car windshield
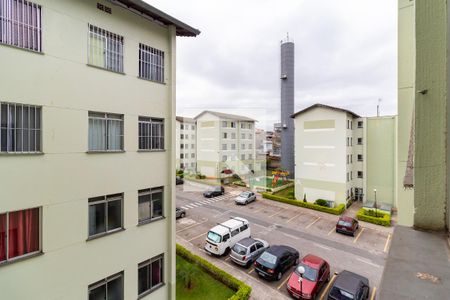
column 214, row 237
column 269, row 258
column 344, row 223
column 310, row 273
column 339, row 294
column 239, row 249
column 245, row 194
column 211, row 189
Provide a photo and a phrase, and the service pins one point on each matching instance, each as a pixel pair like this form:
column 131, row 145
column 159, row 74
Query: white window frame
column 106, row 199
column 107, row 118
column 105, row 281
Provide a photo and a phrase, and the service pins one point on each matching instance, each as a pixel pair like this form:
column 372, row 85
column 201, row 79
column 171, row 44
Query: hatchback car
column 349, row 285
column 245, row 197
column 275, row 261
column 316, row 274
column 179, row 180
column 247, row 250
column 214, row 191
column 180, row 212
column 347, row 225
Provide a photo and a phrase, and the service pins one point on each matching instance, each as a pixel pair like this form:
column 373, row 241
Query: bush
column 321, row 202
column 383, row 219
column 242, row 290
column 331, row 210
column 240, row 183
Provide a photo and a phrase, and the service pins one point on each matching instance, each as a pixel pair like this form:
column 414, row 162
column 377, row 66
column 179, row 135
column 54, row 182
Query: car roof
column 312, row 261
column 349, row 281
column 278, row 250
column 222, row 228
column 247, row 242
column 347, row 219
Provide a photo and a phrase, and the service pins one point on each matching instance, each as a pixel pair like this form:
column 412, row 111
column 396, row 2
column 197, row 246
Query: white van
column 221, row 238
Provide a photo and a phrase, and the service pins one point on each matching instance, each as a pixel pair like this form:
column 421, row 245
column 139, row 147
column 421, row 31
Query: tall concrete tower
column 287, row 106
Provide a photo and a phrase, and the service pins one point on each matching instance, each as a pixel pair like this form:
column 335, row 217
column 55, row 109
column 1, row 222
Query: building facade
column 342, row 156
column 225, row 142
column 186, row 137
column 87, row 100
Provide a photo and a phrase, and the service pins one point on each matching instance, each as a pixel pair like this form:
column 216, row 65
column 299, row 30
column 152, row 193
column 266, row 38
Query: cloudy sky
column 345, row 55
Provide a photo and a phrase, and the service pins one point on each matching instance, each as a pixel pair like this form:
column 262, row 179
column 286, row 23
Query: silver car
column 180, row 212
column 245, row 197
column 247, row 250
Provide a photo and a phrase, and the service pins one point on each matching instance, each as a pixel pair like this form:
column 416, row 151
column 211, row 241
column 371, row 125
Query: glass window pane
column 115, row 289
column 144, row 207
column 23, row 232
column 97, row 218
column 156, row 272
column 2, row 237
column 114, row 214
column 143, row 280
column 157, row 199
column 98, row 293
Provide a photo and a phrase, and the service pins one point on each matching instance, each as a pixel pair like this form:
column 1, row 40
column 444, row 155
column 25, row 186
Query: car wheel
column 279, row 276
column 245, row 203
column 227, row 251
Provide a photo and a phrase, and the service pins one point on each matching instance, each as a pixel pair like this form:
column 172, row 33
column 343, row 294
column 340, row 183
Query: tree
column 187, row 273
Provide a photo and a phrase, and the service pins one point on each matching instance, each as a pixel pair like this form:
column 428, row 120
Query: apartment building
column 87, row 124
column 341, row 155
column 186, row 140
column 225, row 142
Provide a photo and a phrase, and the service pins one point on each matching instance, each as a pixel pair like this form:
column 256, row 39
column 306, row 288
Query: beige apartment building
column 186, row 140
column 87, row 124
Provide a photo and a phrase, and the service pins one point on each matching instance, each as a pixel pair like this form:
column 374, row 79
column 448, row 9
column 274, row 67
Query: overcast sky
column 345, row 55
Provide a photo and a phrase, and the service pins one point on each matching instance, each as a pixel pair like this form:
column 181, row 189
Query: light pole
column 376, row 206
column 301, row 271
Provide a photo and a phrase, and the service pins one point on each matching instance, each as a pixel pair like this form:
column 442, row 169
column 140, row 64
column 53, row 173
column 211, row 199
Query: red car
column 347, row 225
column 316, row 275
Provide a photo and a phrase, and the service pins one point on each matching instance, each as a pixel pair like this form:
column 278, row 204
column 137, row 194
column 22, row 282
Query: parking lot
column 307, row 231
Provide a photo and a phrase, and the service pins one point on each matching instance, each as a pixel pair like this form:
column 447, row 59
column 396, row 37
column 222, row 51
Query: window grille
column 105, row 49
column 151, row 63
column 151, row 134
column 20, row 24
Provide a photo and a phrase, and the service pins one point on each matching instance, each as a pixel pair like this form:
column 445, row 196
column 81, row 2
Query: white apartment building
column 225, row 142
column 87, row 124
column 186, row 140
column 340, row 155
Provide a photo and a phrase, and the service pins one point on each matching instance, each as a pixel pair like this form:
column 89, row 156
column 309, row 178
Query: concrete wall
column 63, row 178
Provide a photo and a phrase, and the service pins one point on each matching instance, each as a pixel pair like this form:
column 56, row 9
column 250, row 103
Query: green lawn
column 205, row 287
column 287, row 193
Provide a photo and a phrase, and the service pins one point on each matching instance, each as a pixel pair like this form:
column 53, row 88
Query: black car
column 179, row 180
column 349, row 285
column 214, row 191
column 275, row 261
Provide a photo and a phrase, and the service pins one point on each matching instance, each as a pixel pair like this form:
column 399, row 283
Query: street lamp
column 301, row 271
column 376, row 212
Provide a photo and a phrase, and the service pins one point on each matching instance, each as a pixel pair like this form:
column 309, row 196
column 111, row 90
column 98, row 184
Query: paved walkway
column 260, row 291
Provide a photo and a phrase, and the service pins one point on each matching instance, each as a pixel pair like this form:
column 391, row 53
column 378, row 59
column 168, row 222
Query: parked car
column 347, row 225
column 222, row 237
column 316, row 274
column 214, row 191
column 179, row 180
column 275, row 261
column 247, row 250
column 245, row 197
column 349, row 285
column 180, row 212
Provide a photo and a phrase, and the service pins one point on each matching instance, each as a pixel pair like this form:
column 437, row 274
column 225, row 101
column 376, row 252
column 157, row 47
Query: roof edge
column 319, row 105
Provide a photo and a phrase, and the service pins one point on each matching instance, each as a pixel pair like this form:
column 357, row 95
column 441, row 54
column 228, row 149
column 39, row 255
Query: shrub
column 383, row 219
column 331, row 210
column 291, row 194
column 321, row 202
column 240, row 183
column 242, row 290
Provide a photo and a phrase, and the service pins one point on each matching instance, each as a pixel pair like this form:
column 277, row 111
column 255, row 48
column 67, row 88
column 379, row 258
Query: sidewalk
column 260, row 291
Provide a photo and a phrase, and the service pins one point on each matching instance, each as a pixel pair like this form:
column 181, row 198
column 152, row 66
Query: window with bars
column 108, row 288
column 105, row 214
column 151, row 63
column 151, row 133
column 151, row 204
column 20, row 24
column 105, row 49
column 20, row 128
column 150, row 275
column 105, row 132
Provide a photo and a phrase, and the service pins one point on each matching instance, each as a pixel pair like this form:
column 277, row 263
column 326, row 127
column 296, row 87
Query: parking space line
column 312, row 223
column 324, row 292
column 293, row 218
column 387, row 243
column 251, row 271
column 291, row 236
column 183, row 229
column 368, row 261
column 228, row 258
column 196, row 237
column 331, row 231
column 359, row 234
column 278, row 212
column 374, row 290
column 284, row 282
column 258, row 210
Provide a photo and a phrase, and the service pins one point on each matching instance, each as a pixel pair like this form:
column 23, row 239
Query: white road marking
column 312, row 223
column 291, row 236
column 185, row 207
column 322, row 246
column 368, row 261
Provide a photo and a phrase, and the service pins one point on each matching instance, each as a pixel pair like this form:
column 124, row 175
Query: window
column 21, row 24
column 181, row 155
column 233, row 135
column 182, row 136
column 182, row 146
column 105, row 214
column 243, row 227
column 347, row 159
column 351, row 175
column 151, row 204
column 193, row 128
column 250, row 136
column 348, row 177
column 110, row 288
column 360, row 124
column 19, row 233
column 151, row 133
column 192, row 155
column 242, row 156
column 360, row 157
column 192, row 146
column 233, row 124
column 181, row 126
column 20, row 128
column 250, row 146
column 225, row 135
column 186, row 146
column 351, row 158
column 151, row 63
column 192, row 136
column 243, row 146
column 224, row 158
column 360, row 141
column 224, row 124
column 105, row 49
column 250, row 126
column 250, row 156
column 360, row 174
column 242, row 125
column 243, row 136
column 105, row 132
column 150, row 275
column 224, row 146
column 348, row 124
column 233, row 146
column 348, row 141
